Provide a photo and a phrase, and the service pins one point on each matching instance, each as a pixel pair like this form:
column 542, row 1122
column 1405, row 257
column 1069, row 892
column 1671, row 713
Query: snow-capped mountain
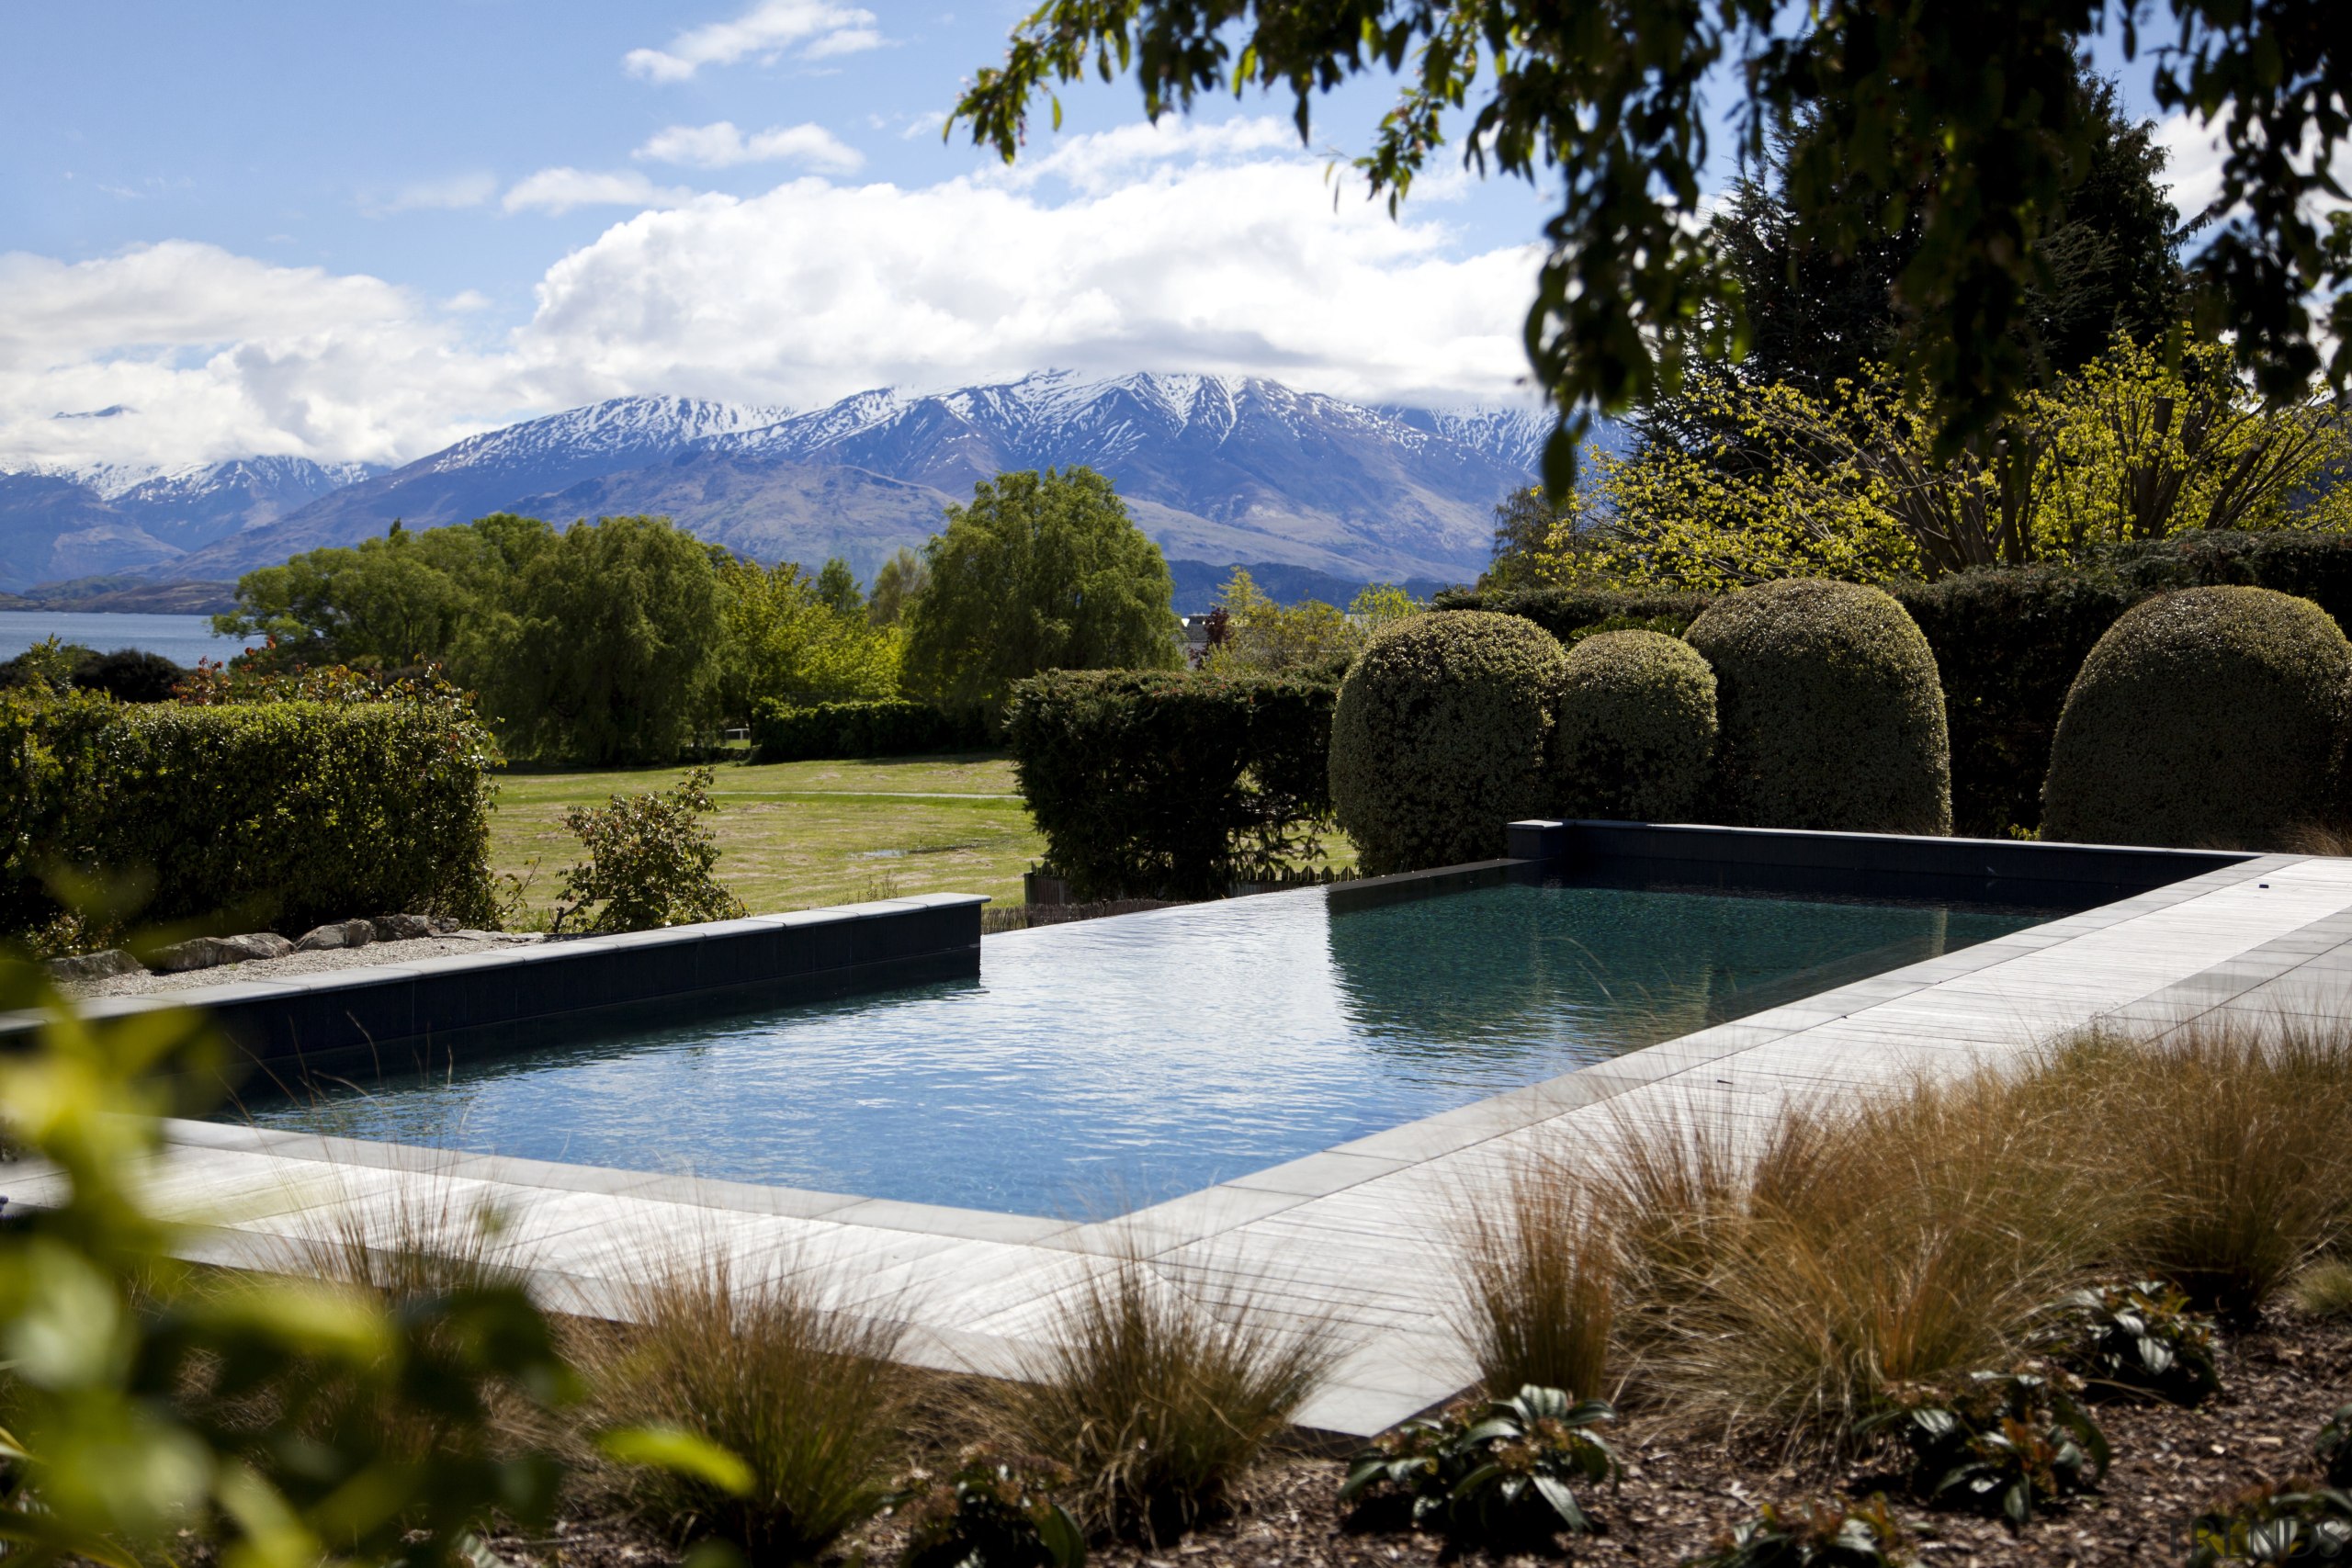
column 1218, row 470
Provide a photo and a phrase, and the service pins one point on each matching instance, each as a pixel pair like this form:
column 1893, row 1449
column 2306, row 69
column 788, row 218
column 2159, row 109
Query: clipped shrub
column 1169, row 785
column 2212, row 717
column 286, row 814
column 1633, row 736
column 650, row 862
column 1503, row 1471
column 1830, row 709
column 783, row 732
column 1439, row 738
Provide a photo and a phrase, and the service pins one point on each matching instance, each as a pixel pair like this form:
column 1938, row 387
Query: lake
column 183, row 639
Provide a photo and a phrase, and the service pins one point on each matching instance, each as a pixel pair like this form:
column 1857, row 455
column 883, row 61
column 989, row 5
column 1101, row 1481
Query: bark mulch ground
column 2280, row 1385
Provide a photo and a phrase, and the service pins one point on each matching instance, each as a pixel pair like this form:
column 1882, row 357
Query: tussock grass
column 1541, row 1280
column 2324, row 1290
column 1158, row 1396
column 811, row 1400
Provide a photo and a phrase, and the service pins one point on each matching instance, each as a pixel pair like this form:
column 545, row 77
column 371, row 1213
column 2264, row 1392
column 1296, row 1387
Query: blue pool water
column 1099, row 1065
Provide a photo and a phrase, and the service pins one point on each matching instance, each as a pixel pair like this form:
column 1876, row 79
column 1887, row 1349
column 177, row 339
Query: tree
column 1041, row 571
column 1538, row 540
column 837, row 588
column 1960, row 122
column 787, row 640
column 1274, row 638
column 896, row 586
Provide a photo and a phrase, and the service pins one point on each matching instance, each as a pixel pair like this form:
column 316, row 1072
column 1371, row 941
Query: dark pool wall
column 439, row 1008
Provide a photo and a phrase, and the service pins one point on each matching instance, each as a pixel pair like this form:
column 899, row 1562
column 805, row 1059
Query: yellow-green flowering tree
column 1270, row 638
column 789, row 641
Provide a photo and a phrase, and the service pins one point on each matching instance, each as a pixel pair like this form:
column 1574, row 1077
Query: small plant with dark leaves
column 2298, row 1521
column 2333, row 1449
column 995, row 1512
column 1818, row 1535
column 1498, row 1470
column 2010, row 1442
column 2140, row 1340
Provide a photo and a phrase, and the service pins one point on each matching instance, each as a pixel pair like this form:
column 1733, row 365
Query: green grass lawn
column 799, row 835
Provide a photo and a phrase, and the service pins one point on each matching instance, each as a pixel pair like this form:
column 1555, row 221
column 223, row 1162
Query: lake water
column 183, row 639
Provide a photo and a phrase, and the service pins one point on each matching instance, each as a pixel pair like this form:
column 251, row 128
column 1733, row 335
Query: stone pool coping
column 1357, row 1238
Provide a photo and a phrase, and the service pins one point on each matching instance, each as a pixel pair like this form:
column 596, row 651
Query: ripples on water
column 1102, row 1065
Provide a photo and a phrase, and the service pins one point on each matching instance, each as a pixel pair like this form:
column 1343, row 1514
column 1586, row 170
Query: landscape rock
column 212, row 952
column 344, row 933
column 105, row 966
column 402, row 928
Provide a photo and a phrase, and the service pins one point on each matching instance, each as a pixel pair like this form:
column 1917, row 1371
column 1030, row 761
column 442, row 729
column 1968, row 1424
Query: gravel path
column 302, row 963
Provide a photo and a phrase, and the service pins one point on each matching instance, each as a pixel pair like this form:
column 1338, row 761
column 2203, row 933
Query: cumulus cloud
column 717, row 146
column 1174, row 250
column 560, row 190
column 816, row 29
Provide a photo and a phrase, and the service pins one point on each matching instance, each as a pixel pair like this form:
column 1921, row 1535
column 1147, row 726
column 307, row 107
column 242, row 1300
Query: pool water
column 1099, row 1065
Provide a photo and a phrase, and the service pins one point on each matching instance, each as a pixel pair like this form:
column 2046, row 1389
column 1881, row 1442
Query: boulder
column 212, row 952
column 342, row 933
column 402, row 928
column 107, row 965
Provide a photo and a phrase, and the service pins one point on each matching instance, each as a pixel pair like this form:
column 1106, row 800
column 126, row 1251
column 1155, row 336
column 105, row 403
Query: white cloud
column 816, row 28
column 560, row 190
column 457, row 191
column 717, row 146
column 1179, row 251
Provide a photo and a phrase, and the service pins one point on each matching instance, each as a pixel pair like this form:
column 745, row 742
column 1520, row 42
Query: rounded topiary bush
column 2210, row 717
column 1634, row 733
column 1439, row 737
column 1831, row 712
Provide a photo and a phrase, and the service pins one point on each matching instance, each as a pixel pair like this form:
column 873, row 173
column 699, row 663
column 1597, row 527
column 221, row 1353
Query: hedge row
column 278, row 815
column 1170, row 784
column 782, row 732
column 2008, row 642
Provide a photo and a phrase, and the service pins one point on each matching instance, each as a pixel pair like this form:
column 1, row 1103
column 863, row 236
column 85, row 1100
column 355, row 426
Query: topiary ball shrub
column 1634, row 733
column 2210, row 717
column 1831, row 712
column 1439, row 737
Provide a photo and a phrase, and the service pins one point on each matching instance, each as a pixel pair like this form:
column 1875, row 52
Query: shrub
column 1830, row 709
column 2140, row 1339
column 284, row 813
column 995, row 1513
column 2008, row 1442
column 1170, row 784
column 648, row 862
column 2213, row 716
column 1156, row 1400
column 1540, row 1280
column 2296, row 1521
column 1823, row 1535
column 1502, row 1471
column 1439, row 737
column 1633, row 736
column 807, row 1399
column 782, row 732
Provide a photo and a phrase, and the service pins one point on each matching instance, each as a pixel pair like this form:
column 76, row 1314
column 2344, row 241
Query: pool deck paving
column 1360, row 1238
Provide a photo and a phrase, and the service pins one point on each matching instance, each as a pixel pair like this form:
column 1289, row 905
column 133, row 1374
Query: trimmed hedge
column 782, row 732
column 1170, row 784
column 2212, row 718
column 1831, row 712
column 1633, row 734
column 2008, row 640
column 1439, row 738
column 274, row 814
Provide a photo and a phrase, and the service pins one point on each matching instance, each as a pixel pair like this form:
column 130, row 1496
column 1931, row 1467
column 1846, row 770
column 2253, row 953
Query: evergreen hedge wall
column 782, row 732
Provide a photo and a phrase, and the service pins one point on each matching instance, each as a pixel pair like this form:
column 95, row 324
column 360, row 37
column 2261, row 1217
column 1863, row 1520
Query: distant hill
column 1216, row 469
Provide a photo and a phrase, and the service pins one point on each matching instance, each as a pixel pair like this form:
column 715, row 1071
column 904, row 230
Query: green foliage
column 2294, row 1521
column 1498, row 1472
column 1822, row 1535
column 995, row 1513
column 1438, row 739
column 650, row 862
column 1633, row 735
column 295, row 803
column 1041, row 571
column 782, row 732
column 1173, row 784
column 793, row 642
column 1831, row 712
column 1609, row 108
column 127, row 674
column 1540, row 542
column 837, row 589
column 2140, row 1339
column 896, row 585
column 2212, row 717
column 2334, row 1449
column 2324, row 1289
column 2008, row 1442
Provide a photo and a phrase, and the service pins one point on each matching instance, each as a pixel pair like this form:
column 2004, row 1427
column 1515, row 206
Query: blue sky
column 355, row 232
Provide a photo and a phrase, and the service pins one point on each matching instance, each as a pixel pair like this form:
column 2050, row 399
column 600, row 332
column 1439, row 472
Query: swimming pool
column 1100, row 1065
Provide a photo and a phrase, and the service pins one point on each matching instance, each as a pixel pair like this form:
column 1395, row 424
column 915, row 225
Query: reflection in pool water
column 1103, row 1065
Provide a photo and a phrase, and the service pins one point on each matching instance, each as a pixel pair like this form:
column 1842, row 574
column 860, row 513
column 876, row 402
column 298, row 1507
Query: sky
column 356, row 233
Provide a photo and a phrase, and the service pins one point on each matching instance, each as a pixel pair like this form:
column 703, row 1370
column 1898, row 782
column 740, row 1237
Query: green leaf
column 1061, row 1537
column 679, row 1451
column 1564, row 1503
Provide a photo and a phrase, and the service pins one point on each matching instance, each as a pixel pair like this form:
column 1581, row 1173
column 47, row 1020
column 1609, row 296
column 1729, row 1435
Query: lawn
column 799, row 835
